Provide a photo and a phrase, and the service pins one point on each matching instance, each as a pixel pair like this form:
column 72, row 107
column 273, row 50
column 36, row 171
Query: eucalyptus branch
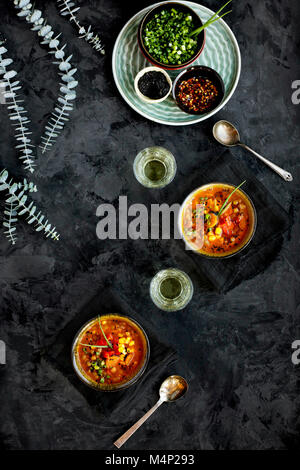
column 10, row 218
column 17, row 113
column 16, row 205
column 11, row 214
column 67, row 88
column 68, row 8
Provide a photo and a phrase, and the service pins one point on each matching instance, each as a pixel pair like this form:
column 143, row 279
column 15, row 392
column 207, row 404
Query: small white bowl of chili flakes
column 198, row 90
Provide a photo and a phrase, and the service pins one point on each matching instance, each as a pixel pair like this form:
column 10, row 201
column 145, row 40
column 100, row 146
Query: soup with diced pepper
column 110, row 351
column 222, row 232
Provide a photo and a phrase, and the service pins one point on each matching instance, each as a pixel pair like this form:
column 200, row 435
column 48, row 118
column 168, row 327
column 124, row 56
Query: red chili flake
column 197, row 95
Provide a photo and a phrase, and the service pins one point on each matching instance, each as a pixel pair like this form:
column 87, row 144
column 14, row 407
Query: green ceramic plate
column 221, row 52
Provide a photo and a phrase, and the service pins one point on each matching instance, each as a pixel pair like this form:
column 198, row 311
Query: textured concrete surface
column 234, row 348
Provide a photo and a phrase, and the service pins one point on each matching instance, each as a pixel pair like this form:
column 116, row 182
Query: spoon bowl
column 173, row 388
column 226, row 134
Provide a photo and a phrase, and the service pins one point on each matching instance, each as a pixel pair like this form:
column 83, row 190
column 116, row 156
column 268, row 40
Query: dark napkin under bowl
column 272, row 222
column 118, row 403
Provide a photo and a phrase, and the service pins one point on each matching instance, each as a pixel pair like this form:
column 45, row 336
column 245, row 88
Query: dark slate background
column 234, row 348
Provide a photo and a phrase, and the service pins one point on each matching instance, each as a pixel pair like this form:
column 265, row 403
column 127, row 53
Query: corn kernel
column 96, row 367
column 122, row 340
column 211, row 238
column 131, row 343
column 235, row 210
column 218, row 231
column 242, row 206
column 235, row 202
column 127, row 340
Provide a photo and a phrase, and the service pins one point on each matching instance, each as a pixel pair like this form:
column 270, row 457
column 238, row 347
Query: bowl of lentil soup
column 198, row 90
column 222, row 235
column 164, row 36
column 110, row 352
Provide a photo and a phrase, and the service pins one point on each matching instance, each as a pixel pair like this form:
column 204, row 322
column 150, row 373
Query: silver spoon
column 226, row 134
column 171, row 389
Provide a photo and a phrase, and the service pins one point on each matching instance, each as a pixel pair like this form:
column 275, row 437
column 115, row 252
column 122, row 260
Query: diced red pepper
column 227, row 225
column 114, row 351
column 107, row 354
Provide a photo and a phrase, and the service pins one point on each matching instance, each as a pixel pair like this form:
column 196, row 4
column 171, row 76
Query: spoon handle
column 280, row 171
column 119, row 442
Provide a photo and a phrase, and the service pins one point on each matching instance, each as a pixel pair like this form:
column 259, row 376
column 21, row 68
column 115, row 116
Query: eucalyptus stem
column 211, row 20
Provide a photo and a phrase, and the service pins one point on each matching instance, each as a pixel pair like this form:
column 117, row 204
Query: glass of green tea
column 171, row 289
column 154, row 167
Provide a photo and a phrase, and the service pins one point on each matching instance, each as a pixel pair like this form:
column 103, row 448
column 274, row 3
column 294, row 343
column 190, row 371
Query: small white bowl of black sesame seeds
column 152, row 85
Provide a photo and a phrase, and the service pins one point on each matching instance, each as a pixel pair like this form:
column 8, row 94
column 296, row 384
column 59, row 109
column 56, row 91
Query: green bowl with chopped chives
column 164, row 36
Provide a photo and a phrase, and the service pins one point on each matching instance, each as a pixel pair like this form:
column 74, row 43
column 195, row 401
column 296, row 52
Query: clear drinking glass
column 154, row 167
column 171, row 289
